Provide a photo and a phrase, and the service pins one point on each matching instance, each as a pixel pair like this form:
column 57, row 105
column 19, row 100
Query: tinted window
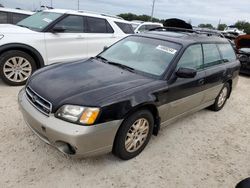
column 98, row 25
column 126, row 28
column 71, row 24
column 145, row 55
column 18, row 17
column 3, row 17
column 192, row 58
column 148, row 27
column 211, row 55
column 227, row 52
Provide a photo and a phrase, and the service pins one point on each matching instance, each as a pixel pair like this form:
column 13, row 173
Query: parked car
column 55, row 36
column 232, row 29
column 118, row 99
column 146, row 26
column 242, row 44
column 13, row 16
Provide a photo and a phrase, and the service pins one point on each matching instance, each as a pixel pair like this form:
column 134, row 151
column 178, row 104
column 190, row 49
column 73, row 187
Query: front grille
column 38, row 102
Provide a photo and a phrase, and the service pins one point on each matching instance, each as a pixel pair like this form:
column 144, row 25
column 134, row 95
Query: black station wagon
column 118, row 99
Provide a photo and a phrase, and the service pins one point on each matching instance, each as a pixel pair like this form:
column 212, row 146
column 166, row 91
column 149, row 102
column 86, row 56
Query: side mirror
column 186, row 73
column 105, row 48
column 58, row 29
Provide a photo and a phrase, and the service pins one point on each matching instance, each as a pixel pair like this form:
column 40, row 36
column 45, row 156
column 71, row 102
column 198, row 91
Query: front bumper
column 71, row 139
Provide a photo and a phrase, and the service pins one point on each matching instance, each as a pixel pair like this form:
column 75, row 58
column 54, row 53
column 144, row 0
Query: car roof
column 16, row 11
column 88, row 13
column 183, row 38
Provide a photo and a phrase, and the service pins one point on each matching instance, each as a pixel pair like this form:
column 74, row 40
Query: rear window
column 125, row 27
column 227, row 52
column 211, row 55
column 3, row 17
column 98, row 25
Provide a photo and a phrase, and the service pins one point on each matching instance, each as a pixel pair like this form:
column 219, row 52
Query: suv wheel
column 221, row 99
column 16, row 67
column 133, row 135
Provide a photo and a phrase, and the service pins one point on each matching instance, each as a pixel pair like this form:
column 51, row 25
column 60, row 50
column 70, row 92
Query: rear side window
column 211, row 55
column 148, row 27
column 98, row 25
column 125, row 27
column 71, row 24
column 3, row 17
column 18, row 17
column 227, row 52
column 192, row 58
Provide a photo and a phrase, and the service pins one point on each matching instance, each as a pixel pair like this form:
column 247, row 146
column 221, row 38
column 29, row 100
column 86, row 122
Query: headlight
column 78, row 114
column 1, row 36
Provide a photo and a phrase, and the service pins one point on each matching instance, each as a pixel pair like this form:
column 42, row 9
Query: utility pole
column 78, row 5
column 153, row 8
column 51, row 3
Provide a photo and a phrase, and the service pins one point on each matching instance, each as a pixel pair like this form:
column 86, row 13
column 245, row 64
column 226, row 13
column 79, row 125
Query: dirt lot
column 206, row 149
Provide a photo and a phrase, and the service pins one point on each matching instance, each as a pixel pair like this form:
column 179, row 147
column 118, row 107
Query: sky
column 196, row 11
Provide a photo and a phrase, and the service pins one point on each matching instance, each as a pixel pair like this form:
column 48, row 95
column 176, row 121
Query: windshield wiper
column 115, row 64
column 24, row 26
column 121, row 66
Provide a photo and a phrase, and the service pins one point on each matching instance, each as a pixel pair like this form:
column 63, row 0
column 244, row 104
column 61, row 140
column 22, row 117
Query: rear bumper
column 71, row 139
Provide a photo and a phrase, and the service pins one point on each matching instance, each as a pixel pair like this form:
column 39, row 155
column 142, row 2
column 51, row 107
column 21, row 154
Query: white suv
column 55, row 36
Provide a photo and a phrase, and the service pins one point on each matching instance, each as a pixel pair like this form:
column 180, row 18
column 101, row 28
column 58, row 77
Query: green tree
column 208, row 26
column 221, row 27
column 145, row 18
column 243, row 25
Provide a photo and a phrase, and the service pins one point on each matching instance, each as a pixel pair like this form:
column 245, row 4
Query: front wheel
column 221, row 99
column 133, row 135
column 16, row 67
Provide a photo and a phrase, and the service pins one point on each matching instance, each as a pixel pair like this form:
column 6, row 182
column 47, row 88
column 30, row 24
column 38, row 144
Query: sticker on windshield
column 166, row 49
column 47, row 20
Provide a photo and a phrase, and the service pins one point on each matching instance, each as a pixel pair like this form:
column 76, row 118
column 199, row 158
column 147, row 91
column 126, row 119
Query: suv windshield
column 147, row 55
column 39, row 20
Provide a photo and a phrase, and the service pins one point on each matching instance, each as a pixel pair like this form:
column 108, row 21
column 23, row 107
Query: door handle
column 201, row 81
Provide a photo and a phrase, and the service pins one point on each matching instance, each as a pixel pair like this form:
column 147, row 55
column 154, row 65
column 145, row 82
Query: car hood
column 83, row 82
column 12, row 29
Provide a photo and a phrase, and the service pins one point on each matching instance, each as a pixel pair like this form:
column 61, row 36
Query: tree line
column 241, row 24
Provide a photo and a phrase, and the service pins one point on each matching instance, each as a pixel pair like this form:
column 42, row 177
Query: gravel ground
column 206, row 149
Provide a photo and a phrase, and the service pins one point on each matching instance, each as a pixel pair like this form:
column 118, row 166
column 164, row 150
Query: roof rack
column 196, row 31
column 102, row 14
column 210, row 32
column 174, row 29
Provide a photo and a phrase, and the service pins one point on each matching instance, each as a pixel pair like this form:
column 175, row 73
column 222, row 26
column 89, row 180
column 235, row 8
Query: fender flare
column 26, row 48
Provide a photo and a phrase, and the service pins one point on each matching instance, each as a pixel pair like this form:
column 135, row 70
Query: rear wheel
column 133, row 135
column 221, row 99
column 16, row 67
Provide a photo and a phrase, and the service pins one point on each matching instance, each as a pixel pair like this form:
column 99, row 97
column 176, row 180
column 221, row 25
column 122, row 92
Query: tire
column 15, row 67
column 135, row 142
column 219, row 103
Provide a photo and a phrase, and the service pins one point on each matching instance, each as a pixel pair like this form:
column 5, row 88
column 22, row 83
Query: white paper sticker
column 166, row 49
column 47, row 20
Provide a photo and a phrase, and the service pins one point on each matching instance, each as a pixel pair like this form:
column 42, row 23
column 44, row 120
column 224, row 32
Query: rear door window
column 125, row 27
column 71, row 24
column 211, row 55
column 227, row 52
column 3, row 17
column 192, row 58
column 98, row 25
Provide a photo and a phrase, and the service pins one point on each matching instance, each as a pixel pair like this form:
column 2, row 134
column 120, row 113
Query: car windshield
column 146, row 55
column 39, row 20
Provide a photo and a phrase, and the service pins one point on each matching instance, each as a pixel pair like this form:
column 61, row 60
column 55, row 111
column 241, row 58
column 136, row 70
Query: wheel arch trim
column 26, row 48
